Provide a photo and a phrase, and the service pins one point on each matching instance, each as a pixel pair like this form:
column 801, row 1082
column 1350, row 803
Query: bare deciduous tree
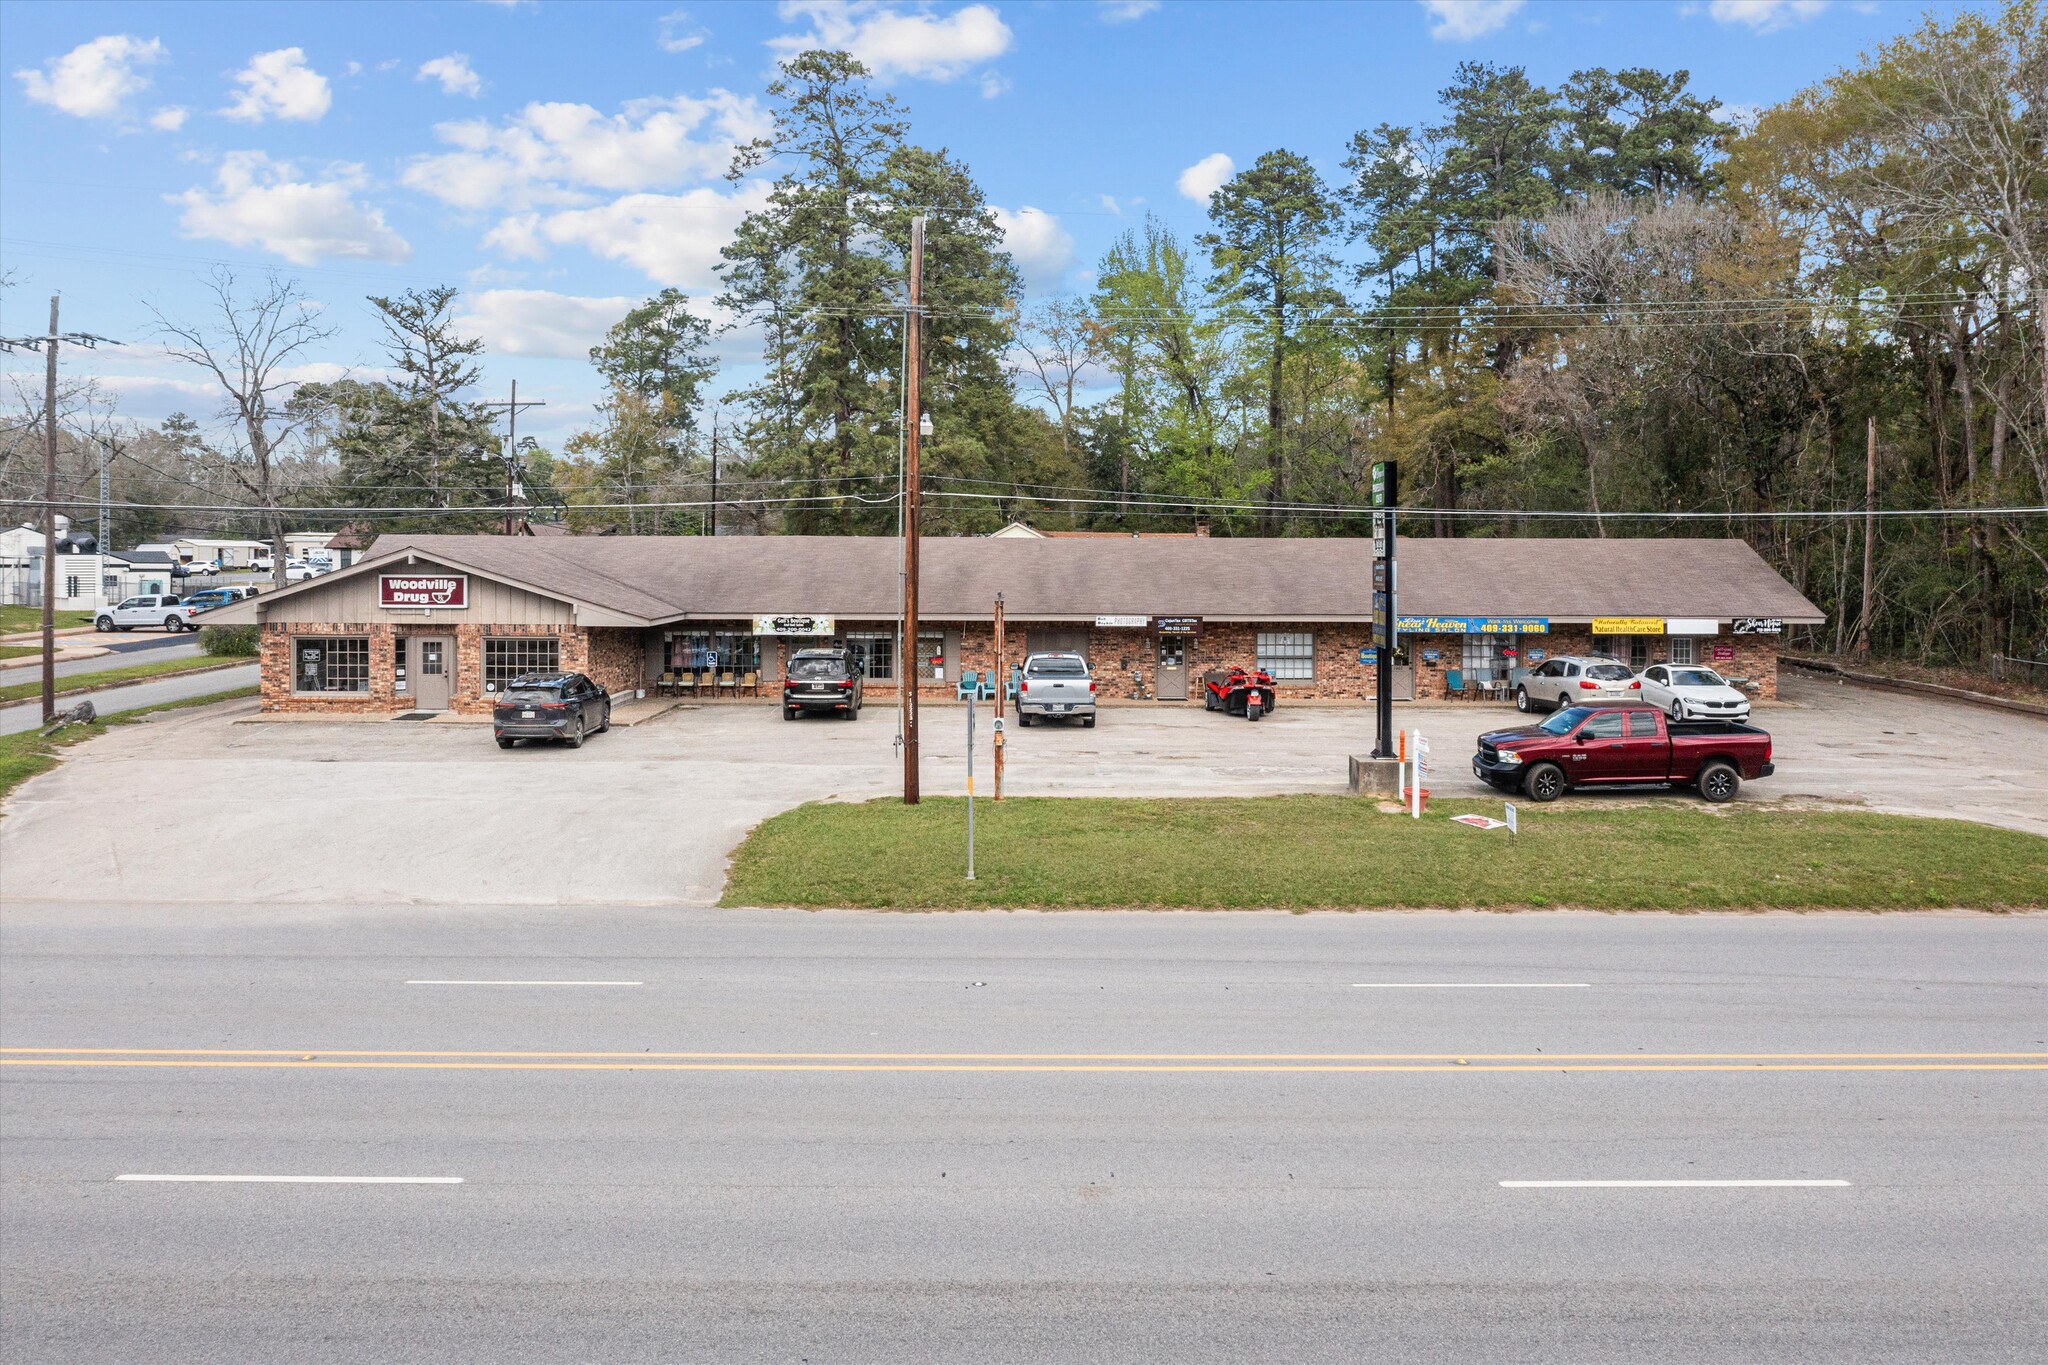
column 249, row 345
column 1060, row 340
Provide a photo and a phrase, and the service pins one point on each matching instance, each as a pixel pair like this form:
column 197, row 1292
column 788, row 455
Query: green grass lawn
column 1311, row 852
column 19, row 651
column 16, row 619
column 24, row 755
column 87, row 682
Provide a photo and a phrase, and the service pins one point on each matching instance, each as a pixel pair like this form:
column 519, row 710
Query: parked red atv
column 1238, row 692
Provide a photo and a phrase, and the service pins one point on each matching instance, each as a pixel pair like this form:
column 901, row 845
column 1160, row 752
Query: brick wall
column 1339, row 676
column 611, row 656
column 614, row 659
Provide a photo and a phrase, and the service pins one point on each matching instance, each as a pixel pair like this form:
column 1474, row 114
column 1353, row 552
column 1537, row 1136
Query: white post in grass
column 970, row 786
column 1415, row 742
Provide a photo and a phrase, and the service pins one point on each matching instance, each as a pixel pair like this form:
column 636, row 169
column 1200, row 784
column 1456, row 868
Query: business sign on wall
column 1474, row 625
column 793, row 625
column 1759, row 625
column 450, row 590
column 1177, row 625
column 1628, row 625
column 1122, row 622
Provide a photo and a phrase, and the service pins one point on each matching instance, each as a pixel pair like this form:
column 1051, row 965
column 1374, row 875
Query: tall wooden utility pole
column 48, row 345
column 913, row 374
column 714, row 473
column 50, row 519
column 1002, row 688
column 512, row 408
column 1869, row 533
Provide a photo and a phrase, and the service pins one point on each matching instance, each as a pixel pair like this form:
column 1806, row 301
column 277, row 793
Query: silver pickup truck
column 1056, row 685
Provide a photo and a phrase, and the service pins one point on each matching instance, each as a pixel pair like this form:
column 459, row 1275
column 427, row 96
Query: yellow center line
column 314, row 1053
column 1222, row 1062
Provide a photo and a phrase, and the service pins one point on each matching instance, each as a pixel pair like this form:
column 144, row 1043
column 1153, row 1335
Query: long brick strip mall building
column 428, row 622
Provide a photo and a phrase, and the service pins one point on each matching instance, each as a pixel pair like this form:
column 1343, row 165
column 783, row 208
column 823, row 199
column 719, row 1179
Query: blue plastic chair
column 1454, row 681
column 968, row 686
column 1016, row 677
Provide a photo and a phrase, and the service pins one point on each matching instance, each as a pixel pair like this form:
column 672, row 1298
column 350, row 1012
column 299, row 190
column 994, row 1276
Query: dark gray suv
column 824, row 680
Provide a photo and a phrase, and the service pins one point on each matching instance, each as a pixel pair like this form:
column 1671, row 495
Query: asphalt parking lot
column 196, row 808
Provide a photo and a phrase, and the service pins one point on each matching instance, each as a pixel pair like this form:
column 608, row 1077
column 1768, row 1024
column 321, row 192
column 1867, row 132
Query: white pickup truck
column 1056, row 686
column 147, row 610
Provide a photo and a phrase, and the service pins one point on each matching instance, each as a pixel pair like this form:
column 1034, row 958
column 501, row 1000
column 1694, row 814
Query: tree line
column 1569, row 310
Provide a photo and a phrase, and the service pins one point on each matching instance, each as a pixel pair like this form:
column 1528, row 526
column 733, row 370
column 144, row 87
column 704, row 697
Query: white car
column 295, row 572
column 147, row 610
column 1692, row 692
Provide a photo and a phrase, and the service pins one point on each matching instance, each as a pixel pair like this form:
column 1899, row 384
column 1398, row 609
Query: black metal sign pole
column 1386, row 487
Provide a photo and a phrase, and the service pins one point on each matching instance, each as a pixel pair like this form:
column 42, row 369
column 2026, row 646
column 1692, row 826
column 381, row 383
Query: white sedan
column 1692, row 692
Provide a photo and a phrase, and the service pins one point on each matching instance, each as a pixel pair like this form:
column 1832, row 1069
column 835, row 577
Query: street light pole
column 913, row 371
column 50, row 520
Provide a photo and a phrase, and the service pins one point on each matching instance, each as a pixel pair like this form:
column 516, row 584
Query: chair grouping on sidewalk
column 708, row 682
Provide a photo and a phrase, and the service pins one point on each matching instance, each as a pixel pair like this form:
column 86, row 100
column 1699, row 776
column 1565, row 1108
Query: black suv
column 564, row 706
column 822, row 680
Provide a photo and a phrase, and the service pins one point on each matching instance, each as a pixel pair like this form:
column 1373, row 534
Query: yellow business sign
column 1628, row 625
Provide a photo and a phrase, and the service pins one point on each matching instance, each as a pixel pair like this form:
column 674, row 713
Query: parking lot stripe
column 296, row 1179
column 1471, row 985
column 526, row 983
column 1673, row 1184
column 996, row 1062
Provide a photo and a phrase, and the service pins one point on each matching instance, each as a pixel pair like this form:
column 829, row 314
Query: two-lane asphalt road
column 737, row 1136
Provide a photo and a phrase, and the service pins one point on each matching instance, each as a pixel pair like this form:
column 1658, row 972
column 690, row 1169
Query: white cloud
column 677, row 32
column 454, row 73
column 279, row 85
column 1764, row 16
column 1109, row 204
column 1123, row 11
column 168, row 119
column 892, row 43
column 674, row 239
column 555, row 153
column 257, row 202
column 1043, row 250
column 94, row 79
column 994, row 83
column 1458, row 21
column 537, row 322
column 1206, row 176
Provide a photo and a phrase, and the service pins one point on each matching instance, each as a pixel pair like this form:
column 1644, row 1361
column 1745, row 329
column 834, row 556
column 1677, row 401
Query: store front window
column 876, row 654
column 1288, row 655
column 331, row 665
column 1481, row 659
column 1684, row 650
column 931, row 657
column 714, row 651
column 519, row 657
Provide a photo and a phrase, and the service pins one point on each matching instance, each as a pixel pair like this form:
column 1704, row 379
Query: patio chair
column 1016, row 677
column 988, row 686
column 750, row 681
column 968, row 686
column 1454, row 684
column 727, row 684
column 665, row 685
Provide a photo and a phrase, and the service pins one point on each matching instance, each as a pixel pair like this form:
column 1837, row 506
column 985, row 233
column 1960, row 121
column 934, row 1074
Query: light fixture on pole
column 924, row 425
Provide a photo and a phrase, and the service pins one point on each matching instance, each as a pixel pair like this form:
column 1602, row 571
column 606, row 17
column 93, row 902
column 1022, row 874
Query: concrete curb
column 64, row 656
column 130, row 682
column 2025, row 708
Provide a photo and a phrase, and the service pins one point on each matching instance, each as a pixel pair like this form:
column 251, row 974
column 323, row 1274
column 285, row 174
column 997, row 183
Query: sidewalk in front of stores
column 625, row 715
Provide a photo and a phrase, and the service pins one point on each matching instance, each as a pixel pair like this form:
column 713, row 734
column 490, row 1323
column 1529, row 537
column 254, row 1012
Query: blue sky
column 558, row 161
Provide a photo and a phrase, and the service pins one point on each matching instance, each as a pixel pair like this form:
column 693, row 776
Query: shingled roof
column 658, row 579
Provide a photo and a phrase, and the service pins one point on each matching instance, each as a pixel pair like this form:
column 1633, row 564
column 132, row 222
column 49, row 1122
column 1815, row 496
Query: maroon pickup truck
column 1620, row 746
